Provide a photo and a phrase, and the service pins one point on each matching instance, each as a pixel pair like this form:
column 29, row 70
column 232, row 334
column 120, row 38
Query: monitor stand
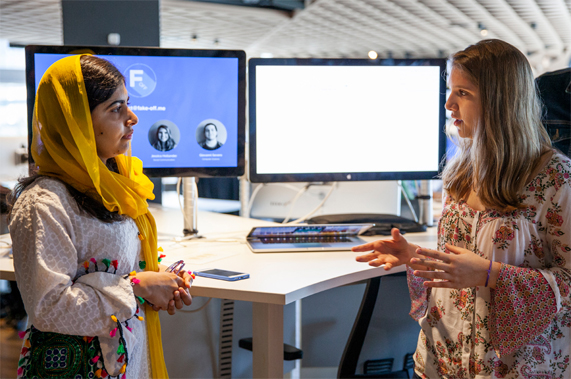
column 385, row 222
column 190, row 206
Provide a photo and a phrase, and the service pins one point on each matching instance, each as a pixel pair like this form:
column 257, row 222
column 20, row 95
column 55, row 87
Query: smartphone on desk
column 216, row 273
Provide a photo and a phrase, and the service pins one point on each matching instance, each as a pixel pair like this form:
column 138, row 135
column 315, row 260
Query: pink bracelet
column 489, row 270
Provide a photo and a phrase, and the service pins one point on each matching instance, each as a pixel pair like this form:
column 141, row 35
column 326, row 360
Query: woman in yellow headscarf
column 84, row 241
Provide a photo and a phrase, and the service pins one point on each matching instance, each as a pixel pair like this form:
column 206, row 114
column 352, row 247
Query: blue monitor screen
column 180, row 97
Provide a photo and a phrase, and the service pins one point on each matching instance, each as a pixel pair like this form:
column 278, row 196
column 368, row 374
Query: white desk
column 276, row 279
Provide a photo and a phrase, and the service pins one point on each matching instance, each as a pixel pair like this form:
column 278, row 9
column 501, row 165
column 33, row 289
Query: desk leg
column 268, row 340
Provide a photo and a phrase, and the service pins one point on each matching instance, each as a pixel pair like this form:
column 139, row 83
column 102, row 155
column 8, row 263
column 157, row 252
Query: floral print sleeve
column 526, row 300
column 418, row 294
column 523, row 306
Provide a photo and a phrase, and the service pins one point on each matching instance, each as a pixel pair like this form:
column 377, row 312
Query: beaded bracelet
column 489, row 270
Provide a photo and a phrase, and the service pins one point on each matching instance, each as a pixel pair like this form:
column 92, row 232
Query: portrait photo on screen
column 211, row 134
column 164, row 135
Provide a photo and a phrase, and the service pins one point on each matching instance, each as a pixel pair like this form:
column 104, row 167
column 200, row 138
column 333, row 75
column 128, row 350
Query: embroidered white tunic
column 52, row 239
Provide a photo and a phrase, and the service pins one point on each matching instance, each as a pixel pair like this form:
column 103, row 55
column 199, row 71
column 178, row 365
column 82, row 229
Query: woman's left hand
column 458, row 268
column 181, row 296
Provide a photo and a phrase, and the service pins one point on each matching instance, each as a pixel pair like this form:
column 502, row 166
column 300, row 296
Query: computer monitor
column 183, row 93
column 346, row 119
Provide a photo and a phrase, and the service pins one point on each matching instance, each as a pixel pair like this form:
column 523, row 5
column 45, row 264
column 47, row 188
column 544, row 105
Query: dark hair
column 101, row 80
column 164, row 127
column 210, row 123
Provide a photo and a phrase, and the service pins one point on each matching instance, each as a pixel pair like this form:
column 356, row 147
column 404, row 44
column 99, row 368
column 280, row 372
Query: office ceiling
column 334, row 28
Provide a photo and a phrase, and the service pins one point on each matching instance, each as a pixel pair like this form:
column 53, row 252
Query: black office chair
column 555, row 92
column 383, row 331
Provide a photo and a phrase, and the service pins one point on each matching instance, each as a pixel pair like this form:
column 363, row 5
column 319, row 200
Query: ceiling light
column 113, row 39
column 373, row 54
column 483, row 30
column 194, row 38
column 266, row 55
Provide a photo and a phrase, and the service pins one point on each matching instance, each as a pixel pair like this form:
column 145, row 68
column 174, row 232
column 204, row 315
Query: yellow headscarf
column 63, row 147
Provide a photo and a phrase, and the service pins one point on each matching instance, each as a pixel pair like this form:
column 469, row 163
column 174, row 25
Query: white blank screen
column 344, row 119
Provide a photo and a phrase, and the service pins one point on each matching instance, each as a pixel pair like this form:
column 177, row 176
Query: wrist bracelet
column 489, row 270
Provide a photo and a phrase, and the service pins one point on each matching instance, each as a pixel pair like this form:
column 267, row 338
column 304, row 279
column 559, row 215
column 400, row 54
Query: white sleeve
column 46, row 262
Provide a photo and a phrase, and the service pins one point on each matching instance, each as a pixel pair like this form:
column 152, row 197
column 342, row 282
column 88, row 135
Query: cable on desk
column 301, row 219
column 292, row 205
column 258, row 188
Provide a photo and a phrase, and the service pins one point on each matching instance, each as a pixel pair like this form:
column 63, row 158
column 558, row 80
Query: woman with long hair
column 84, row 241
column 495, row 299
column 165, row 142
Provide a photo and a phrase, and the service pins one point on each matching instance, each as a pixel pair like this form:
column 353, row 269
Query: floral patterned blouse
column 522, row 328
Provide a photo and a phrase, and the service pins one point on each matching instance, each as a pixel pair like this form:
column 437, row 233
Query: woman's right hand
column 390, row 252
column 158, row 287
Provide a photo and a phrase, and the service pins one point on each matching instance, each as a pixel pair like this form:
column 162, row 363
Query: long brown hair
column 509, row 139
column 101, row 80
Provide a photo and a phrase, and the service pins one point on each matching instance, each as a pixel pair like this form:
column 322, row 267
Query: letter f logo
column 134, row 77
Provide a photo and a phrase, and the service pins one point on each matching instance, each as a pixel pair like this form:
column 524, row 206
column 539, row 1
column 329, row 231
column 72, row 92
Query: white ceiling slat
column 558, row 15
column 531, row 13
column 502, row 11
column 332, row 28
column 438, row 22
column 479, row 13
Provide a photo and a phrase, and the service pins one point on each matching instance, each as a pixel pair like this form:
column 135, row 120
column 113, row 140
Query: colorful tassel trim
column 107, row 262
column 122, row 349
column 141, row 237
column 25, row 352
column 142, row 265
column 161, row 257
column 94, row 263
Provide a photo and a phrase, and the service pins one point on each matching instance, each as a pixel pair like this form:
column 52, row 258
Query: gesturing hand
column 390, row 252
column 458, row 268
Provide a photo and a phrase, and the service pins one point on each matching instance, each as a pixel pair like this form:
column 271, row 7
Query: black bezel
column 152, row 51
column 335, row 177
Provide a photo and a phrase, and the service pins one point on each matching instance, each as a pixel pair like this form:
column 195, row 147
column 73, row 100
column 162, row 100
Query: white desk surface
column 276, row 279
